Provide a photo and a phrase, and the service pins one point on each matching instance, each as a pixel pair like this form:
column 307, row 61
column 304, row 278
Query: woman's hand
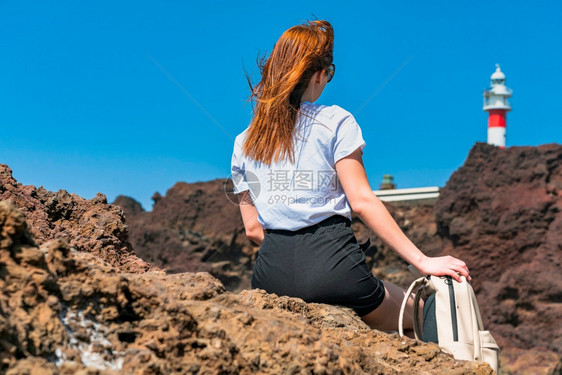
column 444, row 266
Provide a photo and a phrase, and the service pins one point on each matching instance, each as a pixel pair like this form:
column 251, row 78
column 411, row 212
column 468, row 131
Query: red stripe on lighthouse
column 496, row 118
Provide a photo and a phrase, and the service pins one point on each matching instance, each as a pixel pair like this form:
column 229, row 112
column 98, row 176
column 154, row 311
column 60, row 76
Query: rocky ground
column 74, row 297
column 500, row 212
column 91, row 226
column 63, row 311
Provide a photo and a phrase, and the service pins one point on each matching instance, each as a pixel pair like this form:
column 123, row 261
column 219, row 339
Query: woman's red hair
column 300, row 52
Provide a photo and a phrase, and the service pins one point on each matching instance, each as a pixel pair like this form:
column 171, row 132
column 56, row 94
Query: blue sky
column 85, row 107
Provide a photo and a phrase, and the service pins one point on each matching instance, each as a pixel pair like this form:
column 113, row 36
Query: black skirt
column 322, row 263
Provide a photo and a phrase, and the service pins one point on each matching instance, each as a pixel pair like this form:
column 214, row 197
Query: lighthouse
column 497, row 105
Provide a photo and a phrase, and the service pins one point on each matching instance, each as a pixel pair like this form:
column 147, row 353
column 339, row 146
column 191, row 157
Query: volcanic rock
column 501, row 212
column 88, row 225
column 194, row 227
column 69, row 312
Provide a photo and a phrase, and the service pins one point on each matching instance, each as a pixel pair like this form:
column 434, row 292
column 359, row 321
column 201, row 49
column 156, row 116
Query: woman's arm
column 374, row 214
column 254, row 230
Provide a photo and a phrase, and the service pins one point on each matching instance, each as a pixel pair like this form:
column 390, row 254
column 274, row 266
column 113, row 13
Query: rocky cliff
column 91, row 226
column 195, row 227
column 68, row 312
column 500, row 212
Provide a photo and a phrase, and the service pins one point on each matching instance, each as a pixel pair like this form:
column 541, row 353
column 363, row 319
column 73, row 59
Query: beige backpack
column 451, row 319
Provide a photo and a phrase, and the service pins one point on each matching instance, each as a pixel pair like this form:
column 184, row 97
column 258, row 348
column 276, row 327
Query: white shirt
column 295, row 195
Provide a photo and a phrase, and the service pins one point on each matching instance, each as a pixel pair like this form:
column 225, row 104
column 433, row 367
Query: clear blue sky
column 85, row 108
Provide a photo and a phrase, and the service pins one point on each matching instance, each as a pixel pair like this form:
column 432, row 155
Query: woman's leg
column 385, row 317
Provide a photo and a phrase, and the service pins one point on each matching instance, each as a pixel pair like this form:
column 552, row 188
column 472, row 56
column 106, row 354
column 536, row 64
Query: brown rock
column 537, row 361
column 87, row 317
column 502, row 214
column 87, row 225
column 195, row 227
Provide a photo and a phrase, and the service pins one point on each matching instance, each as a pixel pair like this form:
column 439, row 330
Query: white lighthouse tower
column 497, row 105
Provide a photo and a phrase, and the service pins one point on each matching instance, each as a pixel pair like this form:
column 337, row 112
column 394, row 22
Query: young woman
column 298, row 173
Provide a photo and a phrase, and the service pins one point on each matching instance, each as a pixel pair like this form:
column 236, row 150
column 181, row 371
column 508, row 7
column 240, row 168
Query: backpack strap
column 417, row 329
column 477, row 325
column 415, row 285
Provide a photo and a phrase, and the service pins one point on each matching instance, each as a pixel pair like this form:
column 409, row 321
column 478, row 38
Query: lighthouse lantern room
column 496, row 103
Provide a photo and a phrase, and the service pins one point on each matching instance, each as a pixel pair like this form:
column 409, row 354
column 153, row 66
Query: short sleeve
column 348, row 138
column 237, row 171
